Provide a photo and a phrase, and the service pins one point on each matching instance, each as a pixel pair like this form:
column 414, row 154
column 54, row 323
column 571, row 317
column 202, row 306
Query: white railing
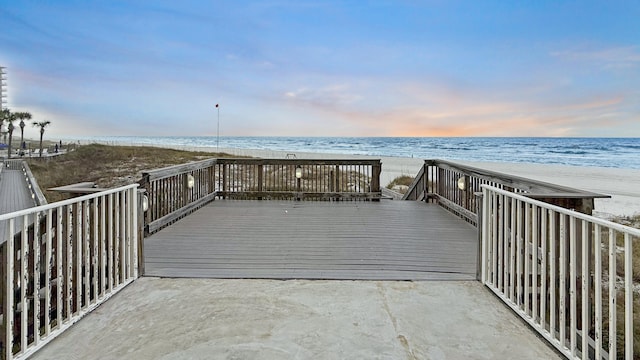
column 60, row 261
column 569, row 275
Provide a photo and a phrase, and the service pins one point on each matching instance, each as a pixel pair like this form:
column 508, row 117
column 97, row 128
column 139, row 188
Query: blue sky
column 325, row 68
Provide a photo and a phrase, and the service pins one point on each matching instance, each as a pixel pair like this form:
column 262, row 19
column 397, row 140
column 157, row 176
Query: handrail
column 175, row 191
column 60, row 261
column 417, row 189
column 562, row 272
column 36, row 192
column 454, row 186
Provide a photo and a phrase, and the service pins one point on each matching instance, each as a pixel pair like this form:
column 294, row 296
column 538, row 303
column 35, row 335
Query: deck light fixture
column 145, row 203
column 298, row 172
column 190, row 181
column 462, row 183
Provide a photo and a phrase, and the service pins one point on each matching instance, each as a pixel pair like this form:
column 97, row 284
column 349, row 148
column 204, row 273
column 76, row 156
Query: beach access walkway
column 14, row 193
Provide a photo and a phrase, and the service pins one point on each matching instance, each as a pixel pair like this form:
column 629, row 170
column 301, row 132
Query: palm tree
column 22, row 116
column 4, row 114
column 42, row 125
column 11, row 118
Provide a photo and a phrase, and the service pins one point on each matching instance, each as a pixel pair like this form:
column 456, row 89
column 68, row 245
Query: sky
column 324, row 68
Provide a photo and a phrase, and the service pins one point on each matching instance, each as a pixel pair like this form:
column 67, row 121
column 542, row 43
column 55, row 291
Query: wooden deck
column 387, row 240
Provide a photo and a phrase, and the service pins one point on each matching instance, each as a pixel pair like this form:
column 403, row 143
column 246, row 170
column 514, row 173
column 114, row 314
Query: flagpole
column 218, row 132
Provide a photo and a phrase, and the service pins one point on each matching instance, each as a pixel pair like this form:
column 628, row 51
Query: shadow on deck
column 387, row 240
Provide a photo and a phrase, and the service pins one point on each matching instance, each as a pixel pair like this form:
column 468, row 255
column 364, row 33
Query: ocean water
column 600, row 152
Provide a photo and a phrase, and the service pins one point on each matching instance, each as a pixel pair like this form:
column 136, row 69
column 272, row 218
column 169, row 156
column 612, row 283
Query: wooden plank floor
column 387, row 240
column 14, row 195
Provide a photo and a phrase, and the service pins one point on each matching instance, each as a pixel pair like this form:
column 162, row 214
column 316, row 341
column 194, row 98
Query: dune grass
column 107, row 166
column 405, row 180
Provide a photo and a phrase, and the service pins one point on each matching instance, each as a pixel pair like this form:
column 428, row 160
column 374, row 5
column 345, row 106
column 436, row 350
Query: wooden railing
column 175, row 191
column 298, row 179
column 60, row 261
column 36, row 192
column 569, row 275
column 13, row 164
column 455, row 186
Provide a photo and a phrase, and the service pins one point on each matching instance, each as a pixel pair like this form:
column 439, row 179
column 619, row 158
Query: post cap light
column 190, row 181
column 298, row 172
column 462, row 183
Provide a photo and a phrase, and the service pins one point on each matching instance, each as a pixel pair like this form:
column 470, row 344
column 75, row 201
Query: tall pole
column 218, row 132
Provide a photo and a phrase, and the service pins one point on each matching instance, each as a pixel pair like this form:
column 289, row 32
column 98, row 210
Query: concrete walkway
column 157, row 318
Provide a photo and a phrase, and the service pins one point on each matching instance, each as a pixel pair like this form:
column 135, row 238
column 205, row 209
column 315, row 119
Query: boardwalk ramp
column 14, row 193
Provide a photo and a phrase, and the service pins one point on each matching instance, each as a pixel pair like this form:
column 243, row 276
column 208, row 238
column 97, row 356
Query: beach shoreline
column 623, row 185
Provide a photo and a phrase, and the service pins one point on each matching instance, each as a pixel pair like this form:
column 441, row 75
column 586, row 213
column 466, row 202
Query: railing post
column 479, row 211
column 140, row 228
column 224, row 180
column 375, row 178
column 144, row 216
column 185, row 190
column 260, row 179
column 211, row 178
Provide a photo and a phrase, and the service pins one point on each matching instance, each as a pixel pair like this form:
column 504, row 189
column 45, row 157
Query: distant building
column 3, row 87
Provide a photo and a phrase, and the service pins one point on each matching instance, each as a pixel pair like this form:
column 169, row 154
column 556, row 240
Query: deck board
column 387, row 240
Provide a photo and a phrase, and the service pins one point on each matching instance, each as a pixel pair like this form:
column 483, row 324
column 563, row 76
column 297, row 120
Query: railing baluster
column 494, row 242
column 9, row 308
column 86, row 247
column 597, row 251
column 123, row 239
column 543, row 267
column 553, row 260
column 534, row 262
column 78, row 257
column 24, row 283
column 628, row 296
column 35, row 294
column 519, row 253
column 500, row 243
column 95, row 255
column 110, row 243
column 585, row 309
column 573, row 317
column 527, row 258
column 47, row 272
column 103, row 246
column 68, row 248
column 612, row 295
column 512, row 255
column 59, row 267
column 562, row 325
